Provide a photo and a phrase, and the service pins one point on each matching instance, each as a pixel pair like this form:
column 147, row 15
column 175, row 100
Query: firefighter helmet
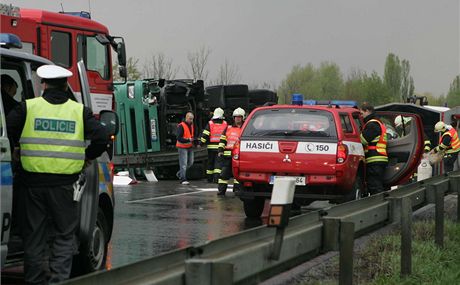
column 439, row 127
column 399, row 120
column 238, row 112
column 218, row 113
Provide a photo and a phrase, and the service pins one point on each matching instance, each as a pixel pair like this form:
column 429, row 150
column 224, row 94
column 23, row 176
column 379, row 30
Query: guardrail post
column 331, row 228
column 346, row 243
column 439, row 217
column 406, row 236
column 205, row 272
column 454, row 187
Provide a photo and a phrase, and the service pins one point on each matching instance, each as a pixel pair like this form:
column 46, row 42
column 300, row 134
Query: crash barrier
column 246, row 257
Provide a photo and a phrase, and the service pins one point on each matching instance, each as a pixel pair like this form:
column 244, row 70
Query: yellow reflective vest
column 52, row 140
column 376, row 150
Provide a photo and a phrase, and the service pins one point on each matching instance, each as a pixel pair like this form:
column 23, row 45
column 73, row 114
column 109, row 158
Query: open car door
column 405, row 146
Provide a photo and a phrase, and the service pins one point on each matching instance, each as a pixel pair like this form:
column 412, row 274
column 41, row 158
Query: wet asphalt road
column 153, row 218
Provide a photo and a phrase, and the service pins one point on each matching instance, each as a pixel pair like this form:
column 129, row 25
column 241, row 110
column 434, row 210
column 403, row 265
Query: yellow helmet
column 439, row 127
column 239, row 112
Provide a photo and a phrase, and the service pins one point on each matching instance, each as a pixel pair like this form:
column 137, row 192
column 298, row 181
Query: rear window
column 291, row 123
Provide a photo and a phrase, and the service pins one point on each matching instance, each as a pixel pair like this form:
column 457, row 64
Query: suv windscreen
column 305, row 123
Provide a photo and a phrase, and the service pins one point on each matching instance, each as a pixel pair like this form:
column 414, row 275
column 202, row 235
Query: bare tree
column 228, row 74
column 198, row 61
column 160, row 66
column 263, row 85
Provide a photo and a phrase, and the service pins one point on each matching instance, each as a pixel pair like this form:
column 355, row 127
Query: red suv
column 320, row 146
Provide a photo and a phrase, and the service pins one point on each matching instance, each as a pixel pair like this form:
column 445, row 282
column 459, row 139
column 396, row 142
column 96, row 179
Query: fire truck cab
column 65, row 39
column 320, row 146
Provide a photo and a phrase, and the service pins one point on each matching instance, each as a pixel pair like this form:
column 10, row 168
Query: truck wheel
column 356, row 190
column 93, row 256
column 254, row 208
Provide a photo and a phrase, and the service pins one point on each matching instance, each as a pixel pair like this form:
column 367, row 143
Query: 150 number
column 320, row 147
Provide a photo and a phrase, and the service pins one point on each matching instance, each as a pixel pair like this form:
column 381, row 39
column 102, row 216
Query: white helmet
column 439, row 127
column 400, row 119
column 238, row 112
column 218, row 113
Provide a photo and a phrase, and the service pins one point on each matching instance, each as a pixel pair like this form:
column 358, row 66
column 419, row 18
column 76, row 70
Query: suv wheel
column 253, row 208
column 356, row 191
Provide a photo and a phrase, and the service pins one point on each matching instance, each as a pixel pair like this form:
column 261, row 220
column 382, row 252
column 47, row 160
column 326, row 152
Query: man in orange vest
column 227, row 141
column 449, row 143
column 374, row 140
column 184, row 144
column 211, row 137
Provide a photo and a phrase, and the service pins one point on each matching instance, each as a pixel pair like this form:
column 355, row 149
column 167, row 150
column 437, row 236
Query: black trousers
column 374, row 177
column 449, row 161
column 43, row 204
column 226, row 174
column 213, row 170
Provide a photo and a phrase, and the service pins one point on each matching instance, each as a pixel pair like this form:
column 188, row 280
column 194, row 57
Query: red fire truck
column 65, row 39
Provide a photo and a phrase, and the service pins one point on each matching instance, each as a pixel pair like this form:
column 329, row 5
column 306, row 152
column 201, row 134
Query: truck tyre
column 93, row 256
column 253, row 208
column 236, row 91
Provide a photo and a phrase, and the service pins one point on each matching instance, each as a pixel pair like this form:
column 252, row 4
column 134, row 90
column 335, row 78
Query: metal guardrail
column 244, row 258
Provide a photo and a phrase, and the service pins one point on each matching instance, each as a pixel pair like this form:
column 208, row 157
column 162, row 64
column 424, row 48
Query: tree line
column 323, row 82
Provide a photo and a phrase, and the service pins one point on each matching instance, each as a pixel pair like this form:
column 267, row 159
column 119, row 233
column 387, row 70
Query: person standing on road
column 374, row 140
column 228, row 139
column 184, row 144
column 211, row 137
column 449, row 144
column 50, row 132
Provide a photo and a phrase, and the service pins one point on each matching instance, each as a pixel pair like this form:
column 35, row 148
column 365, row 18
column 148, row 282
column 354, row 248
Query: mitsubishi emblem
column 287, row 159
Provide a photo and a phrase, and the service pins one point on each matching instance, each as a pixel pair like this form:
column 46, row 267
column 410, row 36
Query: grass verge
column 378, row 263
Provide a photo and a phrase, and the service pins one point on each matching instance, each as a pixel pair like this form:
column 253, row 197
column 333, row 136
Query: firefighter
column 449, row 144
column 227, row 141
column 50, row 132
column 211, row 137
column 374, row 140
column 403, row 125
column 184, row 144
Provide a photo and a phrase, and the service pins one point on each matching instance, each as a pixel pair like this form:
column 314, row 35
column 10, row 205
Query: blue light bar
column 344, row 103
column 331, row 102
column 10, row 41
column 297, row 99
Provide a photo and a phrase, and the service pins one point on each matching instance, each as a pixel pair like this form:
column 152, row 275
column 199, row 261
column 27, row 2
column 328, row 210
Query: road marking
column 177, row 195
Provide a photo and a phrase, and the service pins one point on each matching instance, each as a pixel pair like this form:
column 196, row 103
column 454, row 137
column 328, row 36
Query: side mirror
column 121, row 51
column 122, row 71
column 109, row 120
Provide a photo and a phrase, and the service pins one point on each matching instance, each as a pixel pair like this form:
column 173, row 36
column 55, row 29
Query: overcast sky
column 265, row 38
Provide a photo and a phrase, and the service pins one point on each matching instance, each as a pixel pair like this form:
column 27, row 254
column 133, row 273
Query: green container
column 139, row 130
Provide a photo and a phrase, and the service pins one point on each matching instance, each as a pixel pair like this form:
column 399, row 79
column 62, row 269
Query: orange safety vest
column 216, row 130
column 232, row 134
column 454, row 141
column 379, row 145
column 188, row 134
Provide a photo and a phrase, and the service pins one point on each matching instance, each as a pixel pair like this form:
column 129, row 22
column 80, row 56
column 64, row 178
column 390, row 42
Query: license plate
column 299, row 180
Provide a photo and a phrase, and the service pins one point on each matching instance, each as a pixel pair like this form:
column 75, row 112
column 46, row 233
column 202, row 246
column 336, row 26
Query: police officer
column 211, row 137
column 374, row 140
column 449, row 143
column 8, row 90
column 227, row 141
column 51, row 131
